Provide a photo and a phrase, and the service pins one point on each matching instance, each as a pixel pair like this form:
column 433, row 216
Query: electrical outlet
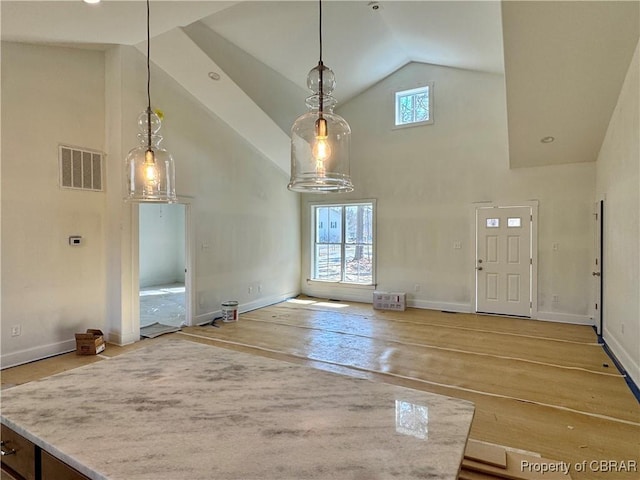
column 250, row 290
column 457, row 245
column 416, row 287
column 555, row 298
column 260, row 288
column 16, row 330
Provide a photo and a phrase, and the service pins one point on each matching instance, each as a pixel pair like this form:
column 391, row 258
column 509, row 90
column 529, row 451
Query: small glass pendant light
column 320, row 139
column 150, row 168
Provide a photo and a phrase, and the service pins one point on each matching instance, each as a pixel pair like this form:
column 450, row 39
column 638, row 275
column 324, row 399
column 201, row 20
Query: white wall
column 618, row 182
column 246, row 225
column 244, row 221
column 426, row 181
column 49, row 288
column 162, row 247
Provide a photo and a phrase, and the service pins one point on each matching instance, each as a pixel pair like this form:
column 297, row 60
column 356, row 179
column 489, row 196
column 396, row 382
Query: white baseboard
column 366, row 296
column 205, row 318
column 628, row 363
column 564, row 318
column 50, row 350
column 117, row 338
column 265, row 302
column 442, row 306
column 36, row 353
column 346, row 294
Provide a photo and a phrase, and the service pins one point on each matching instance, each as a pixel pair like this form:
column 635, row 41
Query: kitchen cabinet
column 23, row 460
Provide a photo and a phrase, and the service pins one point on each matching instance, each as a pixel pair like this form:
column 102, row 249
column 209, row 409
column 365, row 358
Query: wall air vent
column 80, row 169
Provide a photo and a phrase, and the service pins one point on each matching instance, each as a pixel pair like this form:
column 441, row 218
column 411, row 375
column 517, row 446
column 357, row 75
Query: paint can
column 230, row 311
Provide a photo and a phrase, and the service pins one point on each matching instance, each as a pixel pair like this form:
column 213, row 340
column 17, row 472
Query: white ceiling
column 360, row 44
column 110, row 22
column 564, row 61
column 565, row 65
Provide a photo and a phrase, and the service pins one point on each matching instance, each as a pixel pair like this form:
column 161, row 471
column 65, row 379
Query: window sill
column 412, row 124
column 358, row 286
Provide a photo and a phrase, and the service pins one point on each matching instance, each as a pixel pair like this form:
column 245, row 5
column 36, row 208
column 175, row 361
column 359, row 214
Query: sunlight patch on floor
column 332, row 305
column 320, row 304
column 147, row 293
column 161, row 290
column 301, row 302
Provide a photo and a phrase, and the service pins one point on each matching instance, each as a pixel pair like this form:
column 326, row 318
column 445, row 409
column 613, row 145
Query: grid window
column 414, row 107
column 343, row 243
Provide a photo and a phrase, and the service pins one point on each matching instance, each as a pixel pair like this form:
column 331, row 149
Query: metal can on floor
column 230, row 311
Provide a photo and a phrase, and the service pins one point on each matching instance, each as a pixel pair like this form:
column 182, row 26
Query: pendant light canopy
column 150, row 168
column 320, row 139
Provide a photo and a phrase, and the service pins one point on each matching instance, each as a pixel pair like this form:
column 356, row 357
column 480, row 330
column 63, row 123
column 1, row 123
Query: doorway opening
column 506, row 262
column 163, row 259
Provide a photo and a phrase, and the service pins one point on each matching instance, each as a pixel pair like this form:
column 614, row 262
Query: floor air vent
column 80, row 169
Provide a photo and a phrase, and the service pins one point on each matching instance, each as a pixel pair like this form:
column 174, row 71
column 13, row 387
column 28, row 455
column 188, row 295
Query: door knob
column 478, row 268
column 595, row 274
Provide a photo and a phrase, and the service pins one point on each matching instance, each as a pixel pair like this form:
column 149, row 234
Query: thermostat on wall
column 75, row 240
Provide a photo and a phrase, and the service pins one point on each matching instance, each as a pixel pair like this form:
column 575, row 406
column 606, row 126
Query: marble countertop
column 182, row 410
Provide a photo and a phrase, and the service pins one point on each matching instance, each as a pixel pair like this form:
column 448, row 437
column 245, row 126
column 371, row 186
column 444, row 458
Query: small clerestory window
column 414, row 107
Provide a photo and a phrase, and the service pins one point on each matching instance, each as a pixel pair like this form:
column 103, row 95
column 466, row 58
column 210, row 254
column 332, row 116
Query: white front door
column 504, row 260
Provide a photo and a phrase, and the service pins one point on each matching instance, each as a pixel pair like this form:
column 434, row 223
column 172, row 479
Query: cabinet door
column 7, row 476
column 19, row 455
column 54, row 469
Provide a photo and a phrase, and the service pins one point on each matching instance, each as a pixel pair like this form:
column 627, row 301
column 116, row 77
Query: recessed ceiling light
column 91, row 1
column 214, row 76
column 374, row 6
column 547, row 139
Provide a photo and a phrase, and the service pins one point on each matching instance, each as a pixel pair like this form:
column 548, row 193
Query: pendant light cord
column 320, row 26
column 320, row 64
column 148, row 80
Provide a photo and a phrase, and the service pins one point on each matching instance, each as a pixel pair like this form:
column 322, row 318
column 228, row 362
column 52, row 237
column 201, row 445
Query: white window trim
column 418, row 88
column 312, row 217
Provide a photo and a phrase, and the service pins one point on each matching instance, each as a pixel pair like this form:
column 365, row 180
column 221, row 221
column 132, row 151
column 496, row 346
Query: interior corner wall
column 427, row 181
column 50, row 289
column 245, row 224
column 618, row 182
column 122, row 305
column 162, row 244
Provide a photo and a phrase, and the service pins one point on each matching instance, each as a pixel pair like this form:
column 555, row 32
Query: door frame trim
column 599, row 207
column 533, row 205
column 189, row 260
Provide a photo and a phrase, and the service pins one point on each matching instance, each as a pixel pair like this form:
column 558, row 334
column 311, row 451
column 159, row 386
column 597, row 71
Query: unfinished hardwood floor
column 537, row 386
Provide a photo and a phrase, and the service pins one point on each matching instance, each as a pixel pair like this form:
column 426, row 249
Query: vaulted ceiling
column 563, row 62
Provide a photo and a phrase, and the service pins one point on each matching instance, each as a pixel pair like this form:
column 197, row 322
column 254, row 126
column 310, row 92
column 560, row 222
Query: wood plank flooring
column 538, row 386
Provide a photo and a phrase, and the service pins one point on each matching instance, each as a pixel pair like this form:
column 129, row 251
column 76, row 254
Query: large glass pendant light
column 320, row 139
column 150, row 168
